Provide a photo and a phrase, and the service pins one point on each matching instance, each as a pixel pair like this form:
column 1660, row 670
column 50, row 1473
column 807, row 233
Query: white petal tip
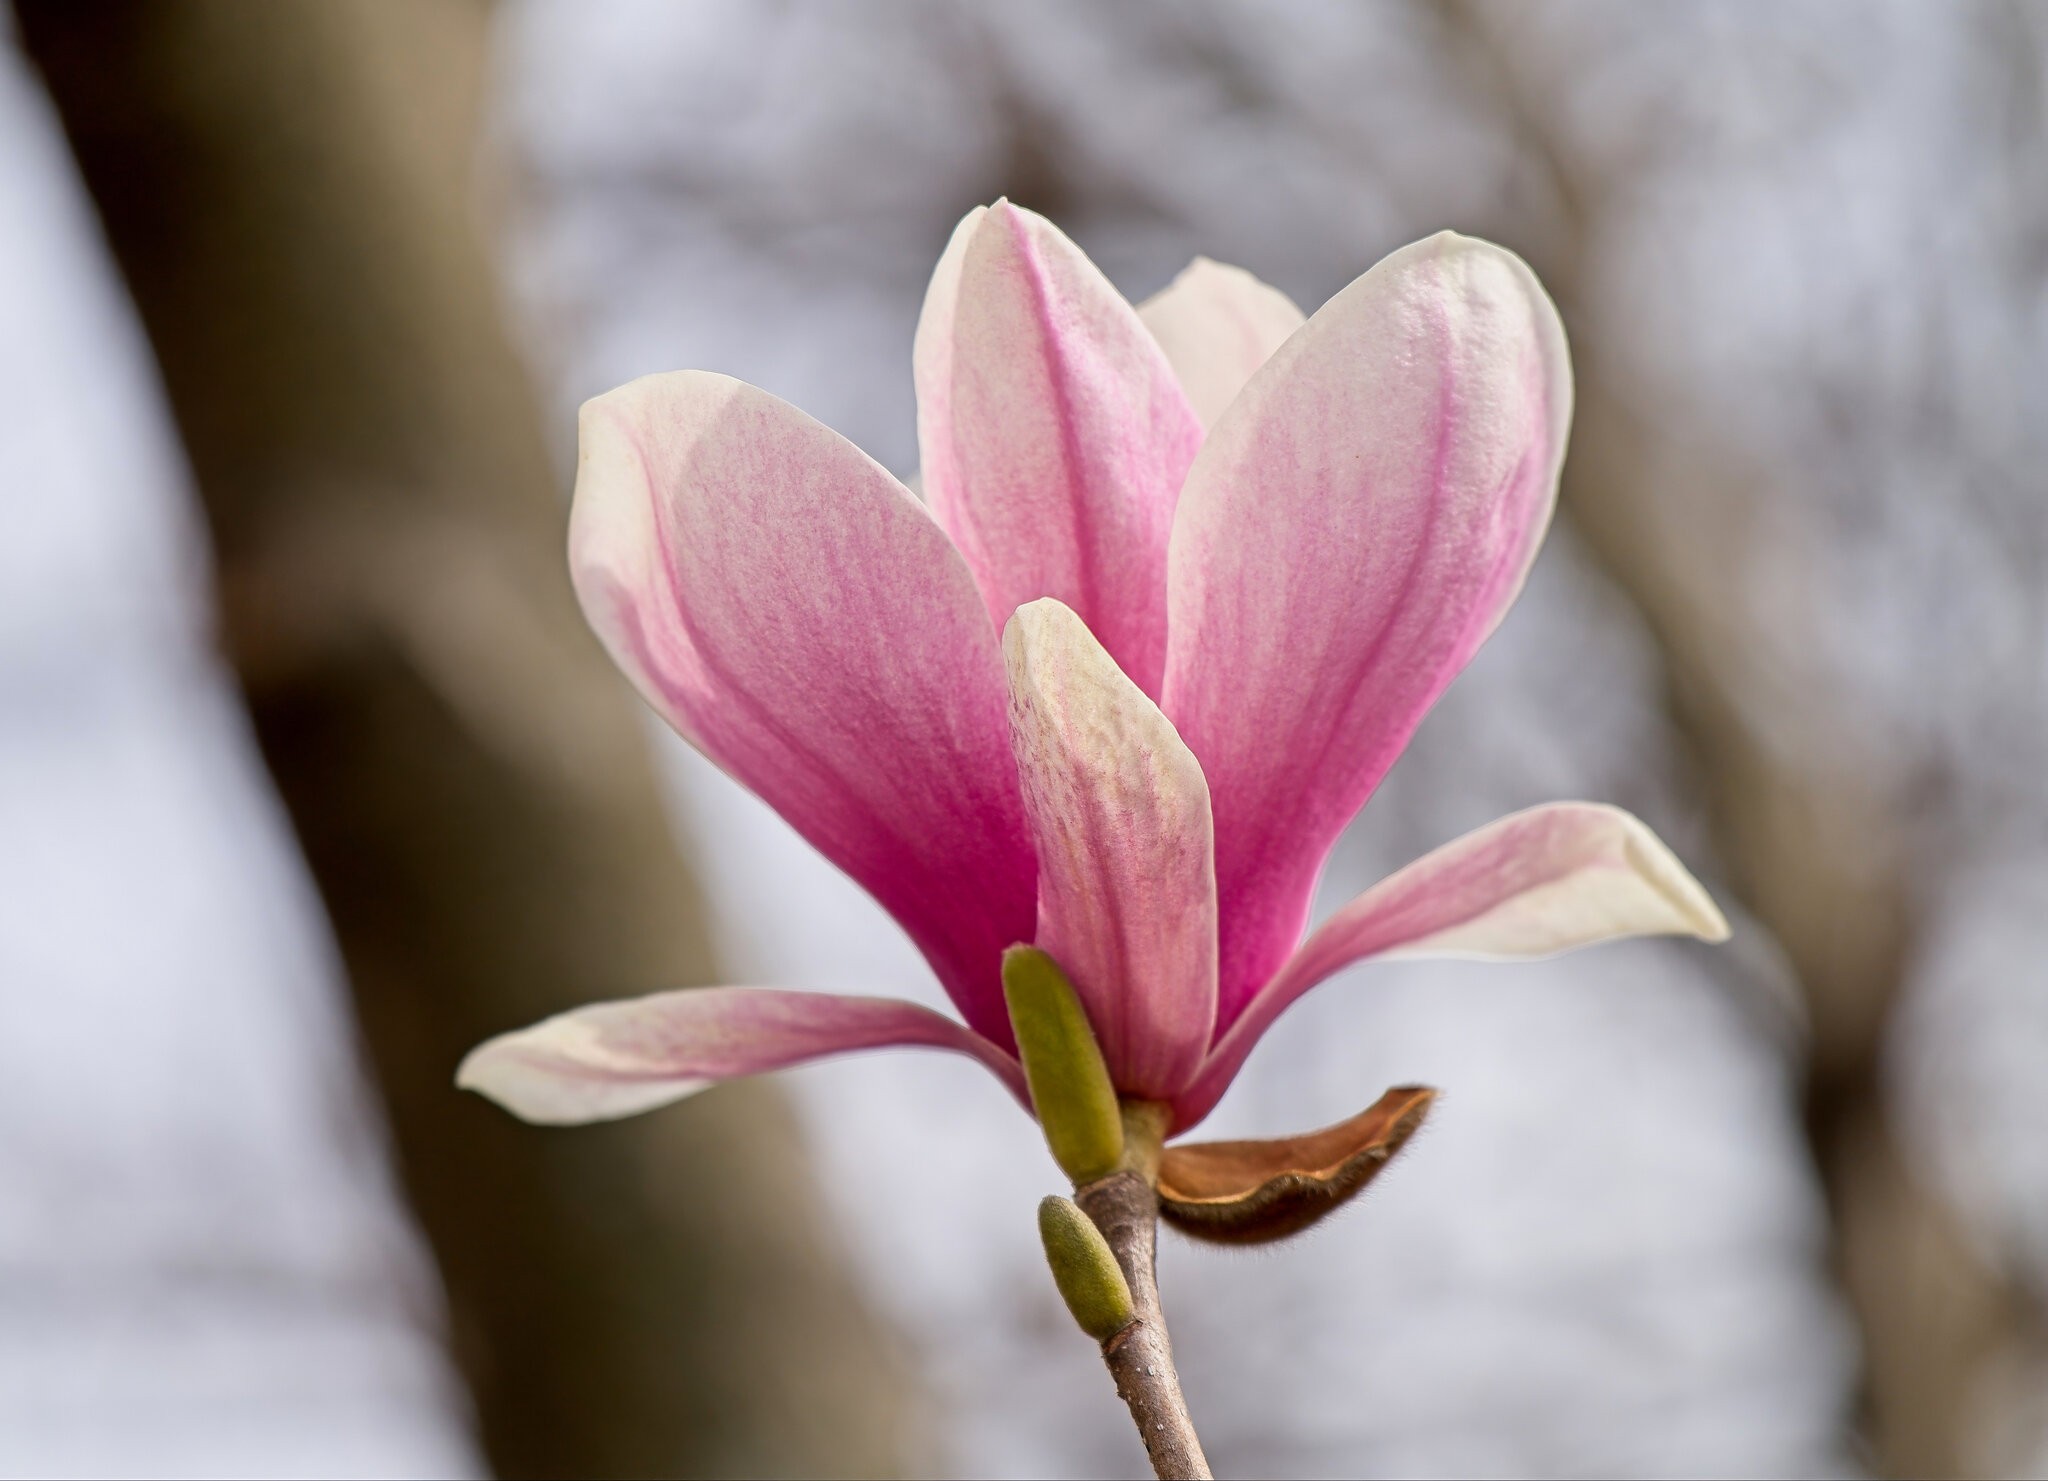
column 1688, row 910
column 1594, row 873
column 545, row 1076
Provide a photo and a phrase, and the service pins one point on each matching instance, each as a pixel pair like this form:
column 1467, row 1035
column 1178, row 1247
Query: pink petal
column 799, row 618
column 1354, row 527
column 1120, row 815
column 618, row 1059
column 1217, row 324
column 1533, row 884
column 1053, row 433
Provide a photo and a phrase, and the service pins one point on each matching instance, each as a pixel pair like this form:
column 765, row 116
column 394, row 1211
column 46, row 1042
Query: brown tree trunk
column 287, row 188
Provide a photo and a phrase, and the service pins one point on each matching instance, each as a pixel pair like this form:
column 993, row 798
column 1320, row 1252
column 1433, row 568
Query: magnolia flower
column 1185, row 580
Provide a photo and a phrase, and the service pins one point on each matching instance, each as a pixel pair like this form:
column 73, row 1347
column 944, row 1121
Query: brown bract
column 1251, row 1192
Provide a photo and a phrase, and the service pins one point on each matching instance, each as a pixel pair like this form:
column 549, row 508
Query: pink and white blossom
column 1187, row 579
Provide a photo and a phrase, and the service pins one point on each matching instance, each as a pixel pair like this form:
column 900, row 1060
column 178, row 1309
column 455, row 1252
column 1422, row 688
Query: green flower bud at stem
column 1070, row 1090
column 1085, row 1269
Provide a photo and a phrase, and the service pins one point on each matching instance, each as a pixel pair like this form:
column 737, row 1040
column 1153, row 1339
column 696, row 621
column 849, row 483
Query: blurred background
column 310, row 777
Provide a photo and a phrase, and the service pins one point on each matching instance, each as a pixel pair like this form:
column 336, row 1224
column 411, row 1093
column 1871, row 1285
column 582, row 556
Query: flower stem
column 1125, row 1207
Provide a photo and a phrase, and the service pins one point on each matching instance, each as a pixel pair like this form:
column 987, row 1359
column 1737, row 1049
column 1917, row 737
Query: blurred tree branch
column 287, row 189
column 1816, row 831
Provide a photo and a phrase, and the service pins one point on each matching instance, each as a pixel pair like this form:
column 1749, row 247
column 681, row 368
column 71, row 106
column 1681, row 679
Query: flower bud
column 1085, row 1269
column 1063, row 1066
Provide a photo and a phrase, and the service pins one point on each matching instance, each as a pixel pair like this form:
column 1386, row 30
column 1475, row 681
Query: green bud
column 1070, row 1089
column 1084, row 1268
